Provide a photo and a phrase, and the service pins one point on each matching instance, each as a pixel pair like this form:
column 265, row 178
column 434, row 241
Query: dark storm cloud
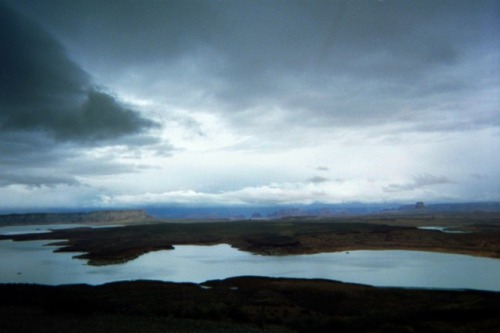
column 257, row 38
column 273, row 74
column 128, row 31
column 326, row 63
column 318, row 63
column 41, row 89
column 100, row 116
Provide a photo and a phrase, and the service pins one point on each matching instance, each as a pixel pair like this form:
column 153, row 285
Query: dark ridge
column 244, row 304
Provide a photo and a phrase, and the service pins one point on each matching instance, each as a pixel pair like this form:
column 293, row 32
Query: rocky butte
column 96, row 217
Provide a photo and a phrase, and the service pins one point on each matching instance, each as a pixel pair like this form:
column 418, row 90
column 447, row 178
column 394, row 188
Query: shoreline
column 104, row 246
column 254, row 304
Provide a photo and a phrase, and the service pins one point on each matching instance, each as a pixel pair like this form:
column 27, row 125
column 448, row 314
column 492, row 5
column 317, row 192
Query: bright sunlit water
column 31, row 262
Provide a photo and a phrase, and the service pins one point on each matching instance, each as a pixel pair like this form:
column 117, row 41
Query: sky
column 133, row 103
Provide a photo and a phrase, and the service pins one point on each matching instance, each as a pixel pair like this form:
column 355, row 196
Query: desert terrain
column 251, row 304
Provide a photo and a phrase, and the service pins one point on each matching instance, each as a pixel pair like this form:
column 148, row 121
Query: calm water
column 37, row 229
column 31, row 262
column 444, row 229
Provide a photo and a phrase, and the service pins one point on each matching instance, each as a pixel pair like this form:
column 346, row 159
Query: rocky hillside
column 96, row 217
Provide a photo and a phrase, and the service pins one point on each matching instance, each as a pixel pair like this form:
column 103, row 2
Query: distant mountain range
column 265, row 212
column 315, row 210
column 150, row 214
column 456, row 207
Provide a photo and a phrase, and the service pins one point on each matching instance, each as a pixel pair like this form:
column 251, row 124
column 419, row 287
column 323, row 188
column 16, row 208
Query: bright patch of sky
column 134, row 103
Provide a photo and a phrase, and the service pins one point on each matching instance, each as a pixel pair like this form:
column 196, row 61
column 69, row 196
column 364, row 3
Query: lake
column 43, row 228
column 32, row 262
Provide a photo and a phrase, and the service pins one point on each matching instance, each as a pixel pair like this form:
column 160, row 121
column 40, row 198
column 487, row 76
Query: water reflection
column 448, row 230
column 30, row 262
column 44, row 228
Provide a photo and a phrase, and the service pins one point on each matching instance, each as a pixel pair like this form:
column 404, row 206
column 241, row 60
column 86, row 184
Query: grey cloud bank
column 42, row 89
column 241, row 101
column 343, row 63
column 46, row 99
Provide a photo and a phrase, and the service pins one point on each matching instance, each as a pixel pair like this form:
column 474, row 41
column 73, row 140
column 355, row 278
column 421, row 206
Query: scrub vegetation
column 474, row 234
column 245, row 304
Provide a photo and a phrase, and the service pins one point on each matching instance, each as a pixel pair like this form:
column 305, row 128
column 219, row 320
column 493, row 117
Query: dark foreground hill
column 245, row 304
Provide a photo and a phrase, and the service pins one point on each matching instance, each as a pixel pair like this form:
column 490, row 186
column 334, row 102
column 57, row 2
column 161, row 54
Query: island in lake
column 250, row 304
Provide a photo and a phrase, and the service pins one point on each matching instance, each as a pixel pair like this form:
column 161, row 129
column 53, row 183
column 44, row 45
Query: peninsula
column 468, row 233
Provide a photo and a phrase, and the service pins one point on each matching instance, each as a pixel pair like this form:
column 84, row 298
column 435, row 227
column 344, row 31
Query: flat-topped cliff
column 94, row 217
